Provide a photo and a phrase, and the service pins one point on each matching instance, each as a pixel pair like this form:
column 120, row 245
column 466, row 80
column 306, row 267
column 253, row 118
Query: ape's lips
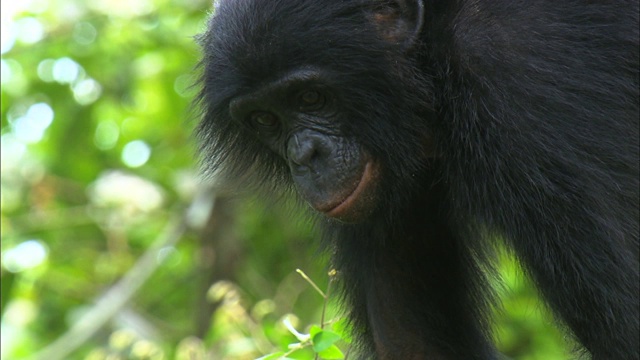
column 359, row 201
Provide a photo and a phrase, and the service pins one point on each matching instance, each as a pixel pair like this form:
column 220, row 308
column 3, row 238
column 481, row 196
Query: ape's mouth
column 358, row 202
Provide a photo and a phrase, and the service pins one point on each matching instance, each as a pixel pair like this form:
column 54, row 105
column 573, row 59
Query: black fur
column 503, row 119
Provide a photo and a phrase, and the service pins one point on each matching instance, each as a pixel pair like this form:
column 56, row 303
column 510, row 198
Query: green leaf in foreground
column 323, row 339
column 331, row 353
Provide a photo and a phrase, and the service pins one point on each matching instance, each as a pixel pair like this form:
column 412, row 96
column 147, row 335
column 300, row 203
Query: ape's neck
column 399, row 270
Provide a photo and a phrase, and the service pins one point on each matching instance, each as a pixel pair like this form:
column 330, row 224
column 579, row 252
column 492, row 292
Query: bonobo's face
column 314, row 98
column 297, row 117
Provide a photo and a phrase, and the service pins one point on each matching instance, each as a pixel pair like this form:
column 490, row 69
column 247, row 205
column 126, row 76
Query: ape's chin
column 359, row 203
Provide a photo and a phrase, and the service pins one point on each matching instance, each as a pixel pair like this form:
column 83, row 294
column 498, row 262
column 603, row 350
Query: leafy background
column 112, row 246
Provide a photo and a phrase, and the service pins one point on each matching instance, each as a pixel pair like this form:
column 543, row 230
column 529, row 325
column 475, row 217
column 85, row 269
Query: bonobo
column 420, row 133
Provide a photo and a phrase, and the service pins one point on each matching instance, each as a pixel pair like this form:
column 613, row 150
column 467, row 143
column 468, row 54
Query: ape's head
column 322, row 95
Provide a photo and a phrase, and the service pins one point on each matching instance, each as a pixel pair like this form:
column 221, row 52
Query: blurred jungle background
column 112, row 245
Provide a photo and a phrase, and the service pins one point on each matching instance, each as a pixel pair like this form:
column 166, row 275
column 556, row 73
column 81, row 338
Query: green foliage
column 97, row 174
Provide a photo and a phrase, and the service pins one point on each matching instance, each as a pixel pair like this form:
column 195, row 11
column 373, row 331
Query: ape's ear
column 398, row 21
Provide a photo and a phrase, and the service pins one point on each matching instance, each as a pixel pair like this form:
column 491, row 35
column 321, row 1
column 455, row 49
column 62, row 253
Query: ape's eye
column 311, row 100
column 264, row 118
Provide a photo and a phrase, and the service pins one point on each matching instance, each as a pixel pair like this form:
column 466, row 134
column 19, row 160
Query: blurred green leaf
column 7, row 282
column 333, row 352
column 322, row 339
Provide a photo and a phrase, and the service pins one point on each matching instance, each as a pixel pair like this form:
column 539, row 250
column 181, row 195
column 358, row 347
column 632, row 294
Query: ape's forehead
column 258, row 37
